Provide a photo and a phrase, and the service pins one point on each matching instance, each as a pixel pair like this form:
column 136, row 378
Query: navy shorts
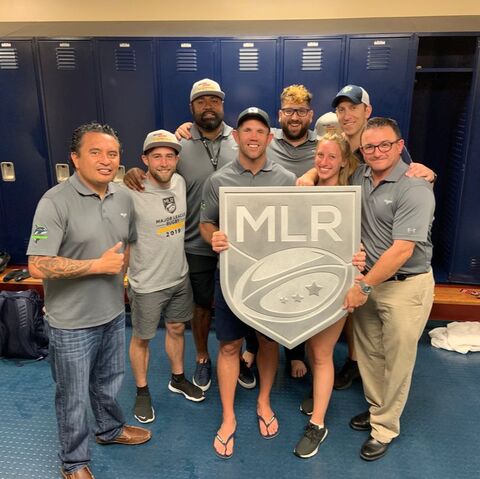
column 227, row 326
column 202, row 278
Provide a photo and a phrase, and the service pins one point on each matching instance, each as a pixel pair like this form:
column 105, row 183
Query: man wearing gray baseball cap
column 211, row 147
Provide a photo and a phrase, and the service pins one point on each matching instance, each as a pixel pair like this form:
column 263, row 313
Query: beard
column 294, row 136
column 210, row 123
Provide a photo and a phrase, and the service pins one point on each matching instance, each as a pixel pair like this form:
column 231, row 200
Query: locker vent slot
column 186, row 60
column 248, row 59
column 378, row 58
column 66, row 59
column 8, row 59
column 454, row 173
column 312, row 59
column 125, row 60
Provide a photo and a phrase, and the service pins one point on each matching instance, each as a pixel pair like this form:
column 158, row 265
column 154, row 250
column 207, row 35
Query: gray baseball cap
column 254, row 113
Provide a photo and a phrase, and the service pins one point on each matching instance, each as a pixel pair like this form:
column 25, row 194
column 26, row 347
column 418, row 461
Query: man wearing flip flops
column 251, row 168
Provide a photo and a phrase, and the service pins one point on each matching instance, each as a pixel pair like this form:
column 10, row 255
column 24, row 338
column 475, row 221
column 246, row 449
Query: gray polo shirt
column 71, row 221
column 398, row 208
column 234, row 174
column 157, row 258
column 297, row 159
column 195, row 166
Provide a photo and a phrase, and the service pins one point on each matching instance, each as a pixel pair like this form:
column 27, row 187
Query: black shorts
column 202, row 277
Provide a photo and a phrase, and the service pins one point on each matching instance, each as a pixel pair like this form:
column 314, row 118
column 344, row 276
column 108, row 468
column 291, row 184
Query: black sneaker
column 189, row 390
column 307, row 404
column 246, row 377
column 202, row 377
column 143, row 410
column 311, row 440
column 345, row 377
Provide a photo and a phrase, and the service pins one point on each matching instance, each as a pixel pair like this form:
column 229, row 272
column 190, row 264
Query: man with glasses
column 395, row 297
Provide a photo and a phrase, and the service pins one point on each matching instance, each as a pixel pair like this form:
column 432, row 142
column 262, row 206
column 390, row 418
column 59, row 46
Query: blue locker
column 383, row 66
column 248, row 76
column 23, row 151
column 465, row 266
column 128, row 92
column 317, row 64
column 181, row 62
column 70, row 95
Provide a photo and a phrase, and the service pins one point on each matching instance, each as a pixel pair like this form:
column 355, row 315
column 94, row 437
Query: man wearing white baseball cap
column 158, row 271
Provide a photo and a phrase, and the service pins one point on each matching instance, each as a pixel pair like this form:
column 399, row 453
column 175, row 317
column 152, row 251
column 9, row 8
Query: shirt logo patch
column 411, row 230
column 388, row 202
column 39, row 233
column 123, row 215
column 169, row 204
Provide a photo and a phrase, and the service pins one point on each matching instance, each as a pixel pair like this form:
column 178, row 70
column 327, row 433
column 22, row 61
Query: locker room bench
column 451, row 303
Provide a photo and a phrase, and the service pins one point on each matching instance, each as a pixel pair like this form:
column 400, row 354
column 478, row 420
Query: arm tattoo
column 61, row 268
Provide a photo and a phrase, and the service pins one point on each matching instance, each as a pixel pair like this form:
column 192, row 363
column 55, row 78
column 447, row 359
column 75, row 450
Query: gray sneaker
column 189, row 390
column 143, row 410
column 202, row 377
column 311, row 440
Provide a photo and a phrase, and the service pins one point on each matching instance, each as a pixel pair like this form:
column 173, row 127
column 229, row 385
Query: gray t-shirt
column 398, row 208
column 157, row 258
column 71, row 221
column 234, row 174
column 196, row 166
column 297, row 159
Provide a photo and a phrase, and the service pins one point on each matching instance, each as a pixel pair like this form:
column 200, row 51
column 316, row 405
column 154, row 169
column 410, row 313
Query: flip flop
column 267, row 425
column 225, row 445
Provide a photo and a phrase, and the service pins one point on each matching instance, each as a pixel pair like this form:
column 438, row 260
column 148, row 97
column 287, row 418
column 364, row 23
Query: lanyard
column 213, row 158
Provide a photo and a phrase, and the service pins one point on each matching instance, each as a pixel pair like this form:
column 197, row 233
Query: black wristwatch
column 365, row 288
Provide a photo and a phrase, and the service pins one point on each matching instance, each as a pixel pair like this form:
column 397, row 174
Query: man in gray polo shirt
column 80, row 237
column 397, row 289
column 212, row 147
column 158, row 270
column 251, row 168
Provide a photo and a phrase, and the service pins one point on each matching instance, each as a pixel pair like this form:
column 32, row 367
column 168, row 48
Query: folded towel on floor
column 457, row 336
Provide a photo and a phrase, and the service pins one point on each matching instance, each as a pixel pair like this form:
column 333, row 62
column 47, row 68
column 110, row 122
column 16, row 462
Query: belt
column 401, row 276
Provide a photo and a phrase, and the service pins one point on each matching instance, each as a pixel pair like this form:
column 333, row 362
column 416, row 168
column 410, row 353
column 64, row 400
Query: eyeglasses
column 383, row 147
column 299, row 111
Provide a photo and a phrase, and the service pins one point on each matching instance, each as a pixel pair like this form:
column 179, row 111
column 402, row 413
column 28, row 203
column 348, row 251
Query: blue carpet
column 439, row 426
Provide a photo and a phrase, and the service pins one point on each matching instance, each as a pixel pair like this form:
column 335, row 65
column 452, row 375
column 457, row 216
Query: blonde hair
column 347, row 155
column 296, row 94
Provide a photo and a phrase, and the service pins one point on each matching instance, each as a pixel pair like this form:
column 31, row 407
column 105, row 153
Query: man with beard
column 158, row 271
column 293, row 147
column 211, row 146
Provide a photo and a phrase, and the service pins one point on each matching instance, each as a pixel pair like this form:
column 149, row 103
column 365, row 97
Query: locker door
column 248, row 76
column 181, row 63
column 128, row 92
column 381, row 65
column 466, row 254
column 23, row 151
column 315, row 63
column 70, row 95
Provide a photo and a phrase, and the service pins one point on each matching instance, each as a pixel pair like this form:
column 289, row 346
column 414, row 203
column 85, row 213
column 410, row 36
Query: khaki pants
column 386, row 332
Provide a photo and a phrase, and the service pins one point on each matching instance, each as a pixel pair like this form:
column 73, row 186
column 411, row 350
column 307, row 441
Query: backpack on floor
column 22, row 333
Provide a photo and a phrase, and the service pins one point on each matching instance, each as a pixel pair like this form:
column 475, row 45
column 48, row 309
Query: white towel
column 457, row 336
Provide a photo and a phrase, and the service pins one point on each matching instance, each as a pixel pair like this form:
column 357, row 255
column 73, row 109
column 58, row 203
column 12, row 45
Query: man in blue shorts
column 250, row 168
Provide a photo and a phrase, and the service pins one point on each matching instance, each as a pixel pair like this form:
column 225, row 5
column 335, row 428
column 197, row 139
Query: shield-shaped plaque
column 289, row 261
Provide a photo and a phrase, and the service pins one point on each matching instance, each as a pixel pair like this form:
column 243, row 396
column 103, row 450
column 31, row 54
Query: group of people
column 164, row 227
